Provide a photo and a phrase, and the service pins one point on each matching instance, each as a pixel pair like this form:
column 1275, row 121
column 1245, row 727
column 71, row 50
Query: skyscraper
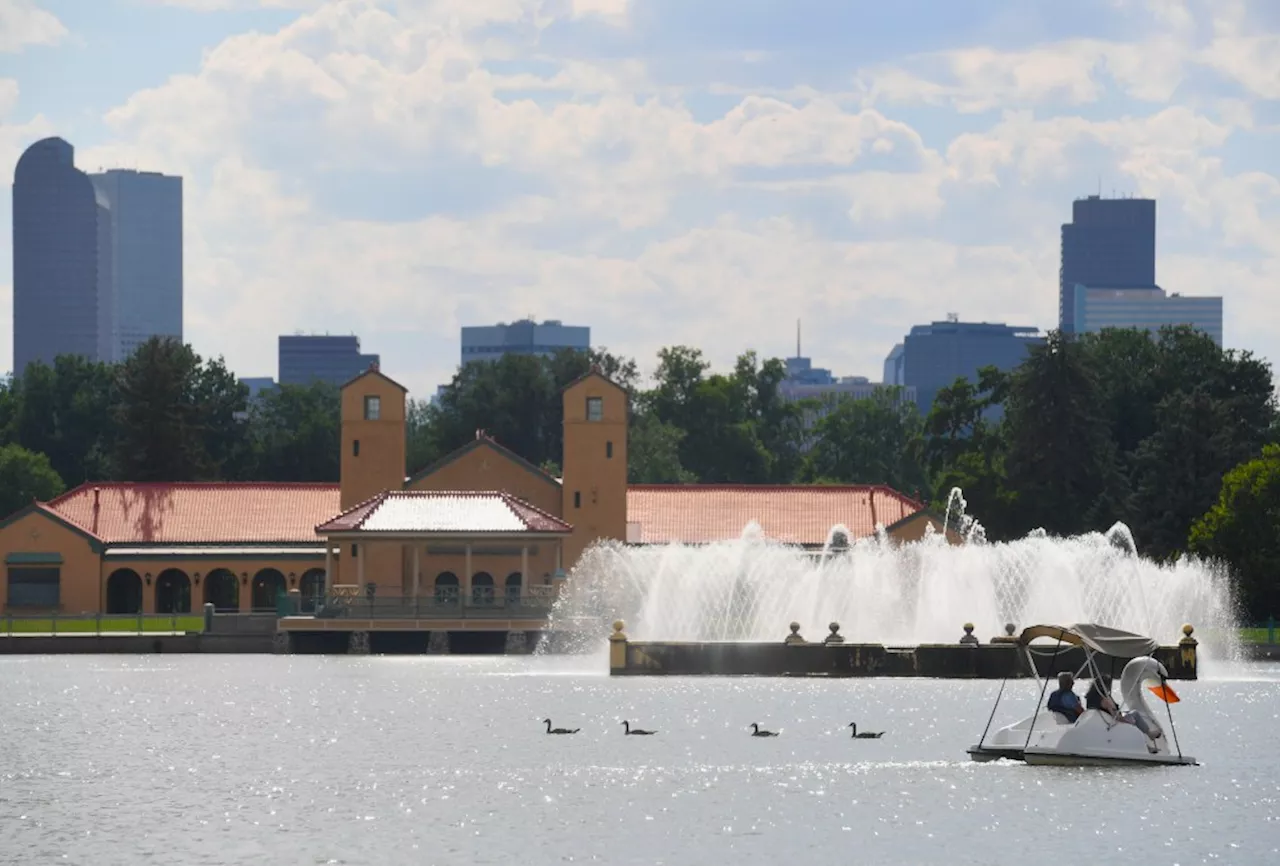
column 97, row 259
column 306, row 359
column 525, row 337
column 61, row 283
column 935, row 355
column 1109, row 243
column 145, row 258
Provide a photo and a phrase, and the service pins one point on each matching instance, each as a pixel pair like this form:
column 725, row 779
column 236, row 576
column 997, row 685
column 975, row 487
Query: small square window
column 372, row 408
column 355, row 550
column 355, row 447
column 577, row 499
column 595, row 408
column 608, row 450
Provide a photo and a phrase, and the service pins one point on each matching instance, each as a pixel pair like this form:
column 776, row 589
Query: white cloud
column 22, row 23
column 627, row 204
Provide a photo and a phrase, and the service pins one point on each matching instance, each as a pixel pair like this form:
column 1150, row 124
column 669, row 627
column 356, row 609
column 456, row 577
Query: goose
column 638, row 732
column 756, row 732
column 551, row 730
column 866, row 735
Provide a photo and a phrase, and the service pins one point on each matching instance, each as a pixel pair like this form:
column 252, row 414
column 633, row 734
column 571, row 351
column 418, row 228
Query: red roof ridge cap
column 358, row 505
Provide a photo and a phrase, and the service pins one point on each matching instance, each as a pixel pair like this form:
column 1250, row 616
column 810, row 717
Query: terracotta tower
column 594, row 488
column 373, row 437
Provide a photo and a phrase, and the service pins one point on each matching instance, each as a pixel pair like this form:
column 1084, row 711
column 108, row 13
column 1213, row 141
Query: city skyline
column 707, row 192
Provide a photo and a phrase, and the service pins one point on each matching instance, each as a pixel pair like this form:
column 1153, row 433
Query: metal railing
column 442, row 606
column 95, row 624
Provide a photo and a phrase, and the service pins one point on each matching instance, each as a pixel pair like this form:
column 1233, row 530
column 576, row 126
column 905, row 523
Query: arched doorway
column 446, row 590
column 173, row 591
column 222, row 590
column 515, row 583
column 124, row 591
column 482, row 588
column 268, row 585
column 312, row 589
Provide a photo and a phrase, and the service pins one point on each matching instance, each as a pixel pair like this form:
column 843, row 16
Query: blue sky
column 666, row 171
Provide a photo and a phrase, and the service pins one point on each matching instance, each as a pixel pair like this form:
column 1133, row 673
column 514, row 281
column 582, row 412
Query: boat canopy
column 1099, row 638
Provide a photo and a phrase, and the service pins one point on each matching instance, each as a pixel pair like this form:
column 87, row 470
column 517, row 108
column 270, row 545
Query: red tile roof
column 445, row 512
column 199, row 513
column 793, row 514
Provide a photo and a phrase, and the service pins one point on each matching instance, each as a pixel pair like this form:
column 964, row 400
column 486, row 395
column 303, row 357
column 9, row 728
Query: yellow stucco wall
column 377, row 463
column 487, row 468
column 79, row 572
column 594, row 490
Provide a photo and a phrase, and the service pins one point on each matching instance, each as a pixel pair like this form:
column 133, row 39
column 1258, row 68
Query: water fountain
column 751, row 588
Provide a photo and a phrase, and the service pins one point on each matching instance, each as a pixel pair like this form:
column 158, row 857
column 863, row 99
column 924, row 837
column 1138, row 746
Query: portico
column 456, row 548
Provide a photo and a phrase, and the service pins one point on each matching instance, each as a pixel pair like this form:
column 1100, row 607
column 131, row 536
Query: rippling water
column 316, row 760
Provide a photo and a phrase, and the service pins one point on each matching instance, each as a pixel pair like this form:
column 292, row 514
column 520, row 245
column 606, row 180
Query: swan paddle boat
column 1131, row 736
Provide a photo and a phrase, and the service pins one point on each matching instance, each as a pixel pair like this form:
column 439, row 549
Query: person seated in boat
column 1099, row 697
column 1064, row 700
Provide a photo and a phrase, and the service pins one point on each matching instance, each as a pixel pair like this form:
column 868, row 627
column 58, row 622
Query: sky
column 697, row 172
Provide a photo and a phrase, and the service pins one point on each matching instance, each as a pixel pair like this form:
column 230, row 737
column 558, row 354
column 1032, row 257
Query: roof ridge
column 510, row 497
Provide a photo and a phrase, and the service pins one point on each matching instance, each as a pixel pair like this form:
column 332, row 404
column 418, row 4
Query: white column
column 417, row 569
column 466, row 578
column 328, row 566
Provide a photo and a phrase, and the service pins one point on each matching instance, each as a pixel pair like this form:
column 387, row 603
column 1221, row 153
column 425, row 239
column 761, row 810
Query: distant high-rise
column 305, row 359
column 937, row 354
column 1145, row 309
column 1108, row 243
column 525, row 337
column 145, row 213
column 60, row 282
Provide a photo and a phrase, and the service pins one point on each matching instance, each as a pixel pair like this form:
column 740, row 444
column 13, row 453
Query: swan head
column 1140, row 670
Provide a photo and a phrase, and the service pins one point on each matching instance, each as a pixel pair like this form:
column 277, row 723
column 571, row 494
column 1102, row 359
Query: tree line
column 1119, row 425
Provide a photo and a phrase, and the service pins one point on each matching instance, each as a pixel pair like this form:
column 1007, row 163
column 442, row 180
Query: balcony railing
column 440, row 606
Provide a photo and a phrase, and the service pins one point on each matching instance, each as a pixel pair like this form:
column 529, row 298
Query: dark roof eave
column 393, row 535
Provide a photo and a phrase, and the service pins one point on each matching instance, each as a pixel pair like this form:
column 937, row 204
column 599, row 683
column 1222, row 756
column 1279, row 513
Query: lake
column 202, row 759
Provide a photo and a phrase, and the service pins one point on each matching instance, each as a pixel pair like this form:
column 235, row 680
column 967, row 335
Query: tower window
column 577, row 499
column 372, row 407
column 608, row 450
column 595, row 408
column 355, row 550
column 355, row 447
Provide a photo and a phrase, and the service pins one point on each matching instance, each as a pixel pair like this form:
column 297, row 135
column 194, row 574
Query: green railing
column 433, row 607
column 17, row 625
column 1264, row 632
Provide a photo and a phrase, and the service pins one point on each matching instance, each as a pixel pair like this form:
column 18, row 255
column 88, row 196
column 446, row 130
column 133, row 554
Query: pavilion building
column 482, row 525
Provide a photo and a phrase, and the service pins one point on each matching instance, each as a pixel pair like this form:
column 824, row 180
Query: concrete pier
column 791, row 656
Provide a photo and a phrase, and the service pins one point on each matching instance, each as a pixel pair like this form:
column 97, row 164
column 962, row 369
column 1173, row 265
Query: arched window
column 446, row 588
column 514, row 586
column 482, row 588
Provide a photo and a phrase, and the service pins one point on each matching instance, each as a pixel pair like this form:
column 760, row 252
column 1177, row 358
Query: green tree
column 653, row 452
column 179, row 419
column 964, row 447
column 517, row 399
column 869, row 441
column 1060, row 458
column 25, row 476
column 1243, row 529
column 297, row 433
column 737, row 428
column 65, row 412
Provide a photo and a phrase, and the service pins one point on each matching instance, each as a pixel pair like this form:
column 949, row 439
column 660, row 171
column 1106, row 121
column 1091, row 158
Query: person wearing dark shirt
column 1099, row 696
column 1064, row 700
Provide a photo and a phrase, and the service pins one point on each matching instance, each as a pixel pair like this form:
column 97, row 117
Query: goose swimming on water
column 551, row 730
column 636, row 731
column 757, row 732
column 865, row 735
